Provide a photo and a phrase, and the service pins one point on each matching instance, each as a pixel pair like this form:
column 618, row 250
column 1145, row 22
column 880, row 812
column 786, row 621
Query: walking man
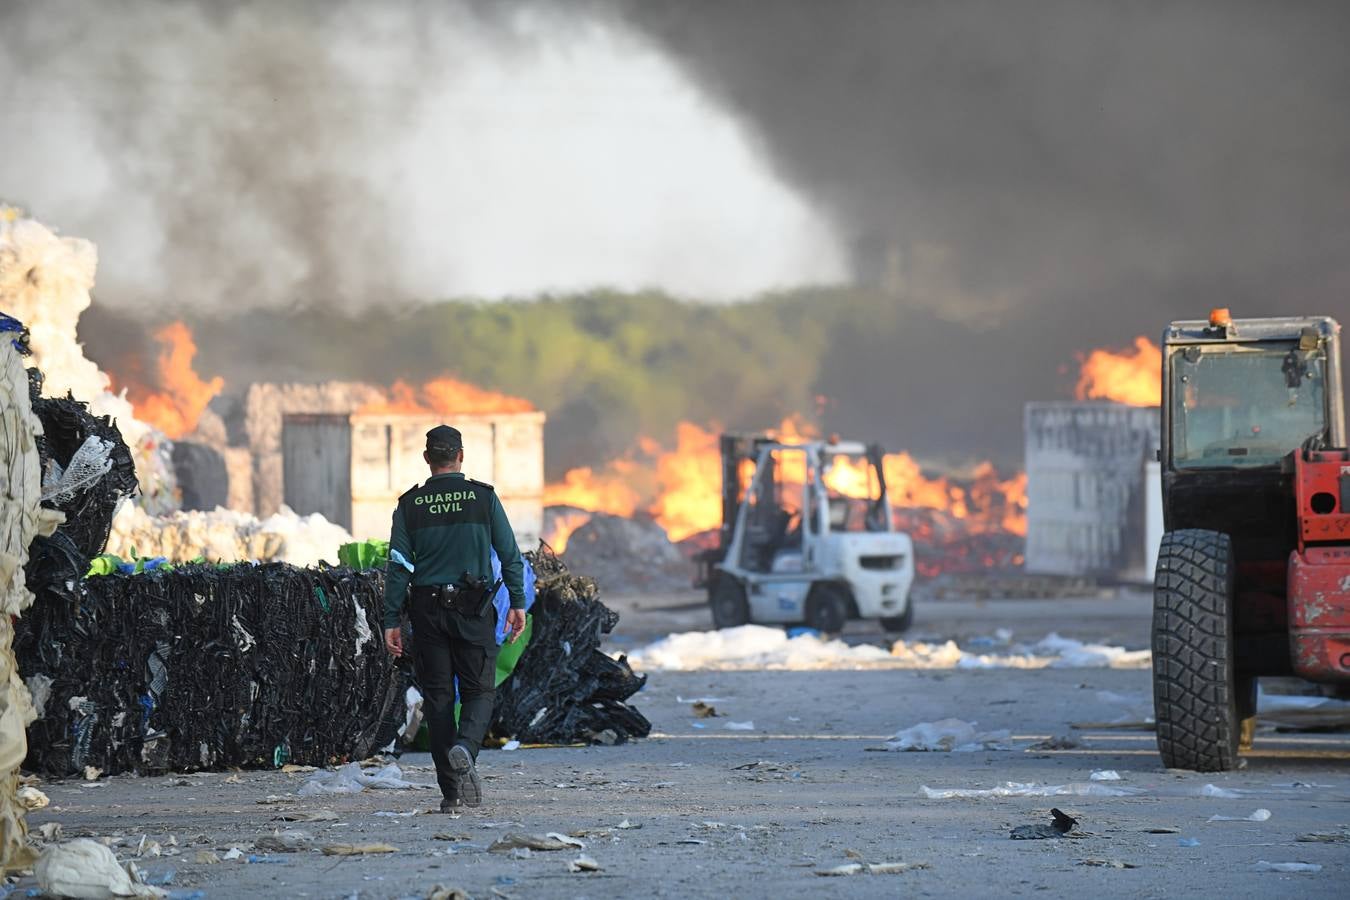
column 442, row 542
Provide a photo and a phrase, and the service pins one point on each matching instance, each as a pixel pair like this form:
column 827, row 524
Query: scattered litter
column 1188, row 842
column 1058, row 742
column 948, row 736
column 626, row 825
column 206, row 858
column 293, row 769
column 710, row 700
column 1031, row 789
column 1260, row 815
column 1326, row 837
column 232, row 854
column 307, row 815
column 48, row 832
column 446, row 836
column 31, row 798
column 275, row 798
column 1288, row 867
column 583, row 864
column 288, row 841
column 551, row 841
column 1210, row 790
column 352, row 779
column 406, row 814
column 234, row 779
column 766, row 770
column 740, row 726
column 704, row 710
column 91, row 773
column 885, row 868
column 1107, row 863
column 357, row 849
column 511, row 745
column 1105, row 775
column 87, row 869
column 1060, row 826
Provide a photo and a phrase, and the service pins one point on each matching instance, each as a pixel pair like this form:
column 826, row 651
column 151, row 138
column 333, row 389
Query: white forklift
column 807, row 538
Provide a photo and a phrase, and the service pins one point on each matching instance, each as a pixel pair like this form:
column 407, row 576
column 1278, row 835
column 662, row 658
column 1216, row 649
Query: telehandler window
column 1236, row 406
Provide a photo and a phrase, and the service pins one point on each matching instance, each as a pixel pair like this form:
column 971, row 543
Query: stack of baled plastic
column 21, row 520
column 565, row 689
column 208, row 667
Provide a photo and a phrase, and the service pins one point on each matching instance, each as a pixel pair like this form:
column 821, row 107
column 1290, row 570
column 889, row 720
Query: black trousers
column 448, row 644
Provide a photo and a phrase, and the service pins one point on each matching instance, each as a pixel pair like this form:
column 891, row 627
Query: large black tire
column 828, row 607
column 901, row 623
column 726, row 597
column 1195, row 680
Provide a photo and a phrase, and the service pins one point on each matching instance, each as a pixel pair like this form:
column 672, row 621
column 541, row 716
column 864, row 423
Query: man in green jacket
column 442, row 542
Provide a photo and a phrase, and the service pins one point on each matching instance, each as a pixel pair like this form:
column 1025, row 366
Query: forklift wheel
column 827, row 608
column 900, row 624
column 729, row 606
column 1195, row 683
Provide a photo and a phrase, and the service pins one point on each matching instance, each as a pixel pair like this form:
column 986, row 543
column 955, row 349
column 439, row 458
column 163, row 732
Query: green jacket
column 443, row 529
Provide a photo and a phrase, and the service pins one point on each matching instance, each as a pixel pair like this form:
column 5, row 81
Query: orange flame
column 562, row 526
column 1131, row 377
column 175, row 406
column 681, row 487
column 444, row 396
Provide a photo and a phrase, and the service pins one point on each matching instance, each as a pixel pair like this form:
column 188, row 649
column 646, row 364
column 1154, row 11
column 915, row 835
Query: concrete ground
column 718, row 812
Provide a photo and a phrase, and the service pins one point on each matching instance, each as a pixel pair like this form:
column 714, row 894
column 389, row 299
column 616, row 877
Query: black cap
column 443, row 437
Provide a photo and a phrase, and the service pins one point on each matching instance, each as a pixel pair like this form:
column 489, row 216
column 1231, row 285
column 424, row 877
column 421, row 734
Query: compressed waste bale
column 21, row 520
column 564, row 688
column 206, row 667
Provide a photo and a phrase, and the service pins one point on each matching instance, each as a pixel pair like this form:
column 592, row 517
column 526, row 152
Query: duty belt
column 449, row 595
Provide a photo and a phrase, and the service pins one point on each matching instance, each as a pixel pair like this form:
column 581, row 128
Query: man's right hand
column 393, row 641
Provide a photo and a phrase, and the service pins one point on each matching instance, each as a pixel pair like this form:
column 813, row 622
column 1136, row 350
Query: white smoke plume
column 228, row 156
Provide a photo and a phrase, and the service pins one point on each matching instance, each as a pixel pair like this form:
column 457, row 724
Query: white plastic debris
column 1219, row 793
column 740, row 726
column 352, row 779
column 760, row 647
column 1288, row 867
column 1030, row 789
column 1105, row 775
column 511, row 745
column 232, row 854
column 948, row 736
column 583, row 863
column 87, row 870
column 32, row 798
column 1260, row 815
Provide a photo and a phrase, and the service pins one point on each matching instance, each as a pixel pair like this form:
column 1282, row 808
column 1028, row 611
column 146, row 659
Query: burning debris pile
column 205, row 667
column 959, row 523
column 565, row 689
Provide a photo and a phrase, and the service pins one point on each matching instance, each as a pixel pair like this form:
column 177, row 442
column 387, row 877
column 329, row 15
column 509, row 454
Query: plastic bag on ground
column 948, row 736
column 1030, row 789
column 87, row 870
column 352, row 779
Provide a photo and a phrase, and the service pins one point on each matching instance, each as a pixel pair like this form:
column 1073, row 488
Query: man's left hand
column 515, row 623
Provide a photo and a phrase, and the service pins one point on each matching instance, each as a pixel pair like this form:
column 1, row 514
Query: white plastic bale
column 45, row 281
column 21, row 519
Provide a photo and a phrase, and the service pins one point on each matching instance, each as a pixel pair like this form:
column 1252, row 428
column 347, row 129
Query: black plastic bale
column 565, row 689
column 207, row 667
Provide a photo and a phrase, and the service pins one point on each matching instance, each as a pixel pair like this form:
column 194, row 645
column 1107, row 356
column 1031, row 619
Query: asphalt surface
column 714, row 811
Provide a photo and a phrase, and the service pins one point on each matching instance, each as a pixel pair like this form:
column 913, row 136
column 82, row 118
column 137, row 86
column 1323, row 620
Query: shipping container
column 1089, row 487
column 352, row 467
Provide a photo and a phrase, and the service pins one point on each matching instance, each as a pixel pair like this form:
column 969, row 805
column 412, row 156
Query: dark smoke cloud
column 263, row 154
column 1163, row 155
